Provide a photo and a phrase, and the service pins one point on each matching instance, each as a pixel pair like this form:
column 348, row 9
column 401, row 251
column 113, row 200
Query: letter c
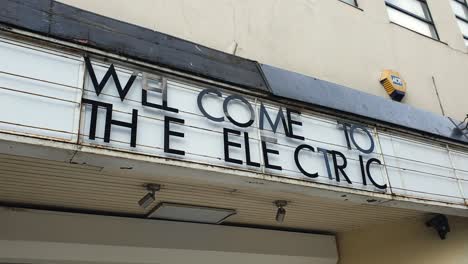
column 369, row 162
column 200, row 103
column 298, row 164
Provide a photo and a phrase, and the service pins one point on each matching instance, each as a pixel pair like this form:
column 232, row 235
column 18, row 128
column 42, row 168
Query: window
column 351, row 2
column 460, row 8
column 412, row 14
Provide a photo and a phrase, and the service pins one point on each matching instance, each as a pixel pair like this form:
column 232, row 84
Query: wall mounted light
column 150, row 197
column 440, row 224
column 461, row 128
column 281, row 212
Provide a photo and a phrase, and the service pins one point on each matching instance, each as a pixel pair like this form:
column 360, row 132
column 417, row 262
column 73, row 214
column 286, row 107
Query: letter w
column 110, row 72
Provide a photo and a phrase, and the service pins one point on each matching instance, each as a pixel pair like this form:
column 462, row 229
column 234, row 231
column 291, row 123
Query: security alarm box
column 393, row 84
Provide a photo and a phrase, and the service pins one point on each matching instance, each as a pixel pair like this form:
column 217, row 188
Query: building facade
column 234, row 131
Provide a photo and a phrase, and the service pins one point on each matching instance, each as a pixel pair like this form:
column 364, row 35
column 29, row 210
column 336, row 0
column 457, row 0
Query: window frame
column 464, row 3
column 423, row 19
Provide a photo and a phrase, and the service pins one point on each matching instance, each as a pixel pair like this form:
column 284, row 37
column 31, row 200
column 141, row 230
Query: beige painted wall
column 322, row 38
column 407, row 242
column 36, row 237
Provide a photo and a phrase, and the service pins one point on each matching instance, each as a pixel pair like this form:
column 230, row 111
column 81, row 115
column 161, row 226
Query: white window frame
column 429, row 21
column 464, row 20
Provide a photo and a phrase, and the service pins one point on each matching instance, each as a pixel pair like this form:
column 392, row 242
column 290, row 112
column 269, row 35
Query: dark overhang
column 57, row 20
column 337, row 97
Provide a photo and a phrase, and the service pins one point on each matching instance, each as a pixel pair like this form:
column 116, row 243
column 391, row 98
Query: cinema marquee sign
column 63, row 97
column 251, row 134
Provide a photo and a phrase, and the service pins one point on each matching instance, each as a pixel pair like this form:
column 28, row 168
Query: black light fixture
column 461, row 128
column 440, row 224
column 150, row 197
column 281, row 212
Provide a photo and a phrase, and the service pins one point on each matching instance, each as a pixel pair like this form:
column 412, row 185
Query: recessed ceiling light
column 190, row 213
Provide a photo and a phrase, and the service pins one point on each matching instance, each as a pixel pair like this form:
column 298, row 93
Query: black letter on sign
column 132, row 126
column 110, row 72
column 200, row 104
column 351, row 133
column 163, row 91
column 110, row 122
column 369, row 162
column 227, row 144
column 345, row 130
column 168, row 132
column 327, row 163
column 363, row 172
column 94, row 112
column 279, row 117
column 340, row 168
column 293, row 122
column 248, row 160
column 265, row 151
column 298, row 164
column 242, row 99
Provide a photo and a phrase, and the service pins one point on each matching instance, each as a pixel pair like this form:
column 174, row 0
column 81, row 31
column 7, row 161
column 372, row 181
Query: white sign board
column 120, row 108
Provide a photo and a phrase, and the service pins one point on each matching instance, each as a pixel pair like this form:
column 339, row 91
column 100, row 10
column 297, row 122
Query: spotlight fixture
column 281, row 213
column 150, row 196
column 440, row 224
column 460, row 128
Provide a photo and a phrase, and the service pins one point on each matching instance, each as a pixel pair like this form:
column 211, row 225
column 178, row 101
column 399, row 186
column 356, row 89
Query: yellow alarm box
column 393, row 84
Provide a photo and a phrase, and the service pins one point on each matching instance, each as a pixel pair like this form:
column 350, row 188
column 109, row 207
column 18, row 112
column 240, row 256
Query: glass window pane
column 466, row 42
column 413, row 6
column 351, row 2
column 463, row 27
column 411, row 22
column 459, row 9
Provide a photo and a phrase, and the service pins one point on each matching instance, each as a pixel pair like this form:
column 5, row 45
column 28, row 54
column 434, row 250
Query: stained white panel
column 40, row 91
column 41, row 64
column 39, row 88
column 423, row 185
column 30, row 114
column 420, row 170
column 464, row 186
column 414, row 150
column 460, row 160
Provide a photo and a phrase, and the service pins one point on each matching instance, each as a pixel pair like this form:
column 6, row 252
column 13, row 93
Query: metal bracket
column 460, row 128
